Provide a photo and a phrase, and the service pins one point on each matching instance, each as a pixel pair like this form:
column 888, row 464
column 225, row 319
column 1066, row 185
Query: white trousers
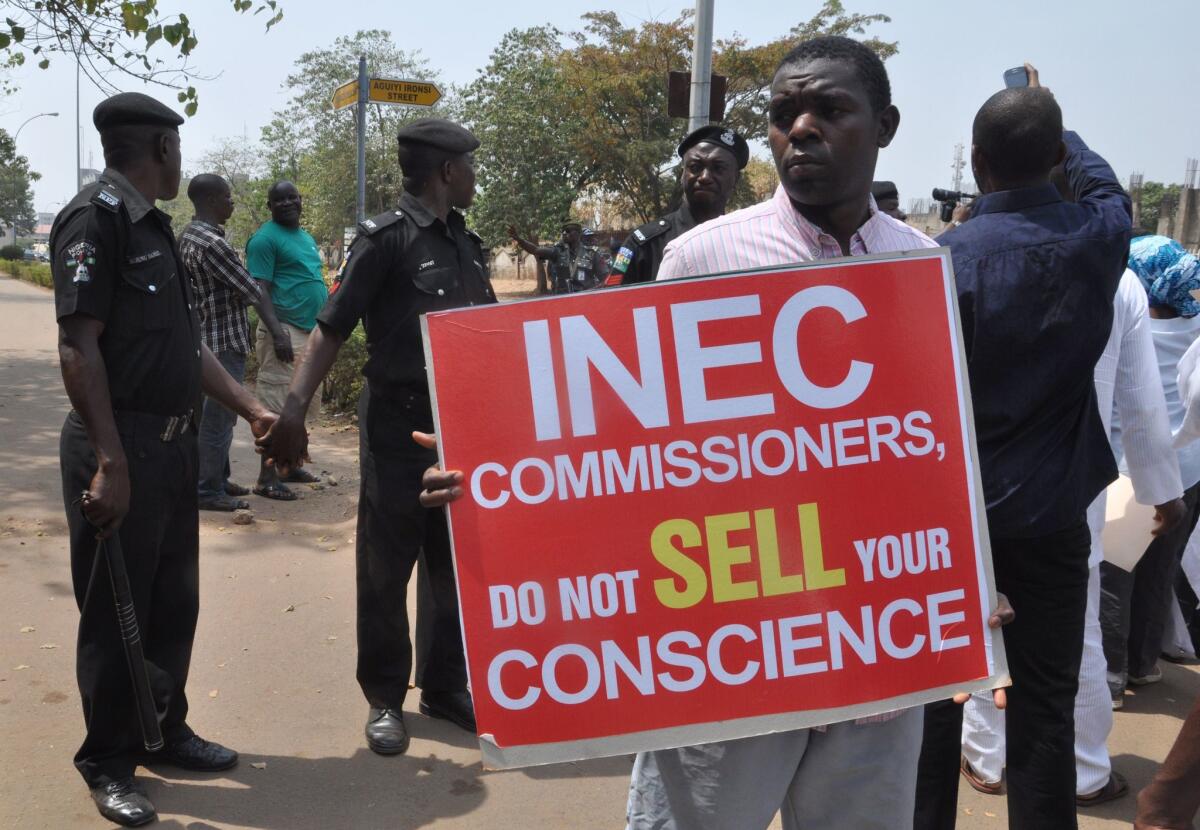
column 983, row 723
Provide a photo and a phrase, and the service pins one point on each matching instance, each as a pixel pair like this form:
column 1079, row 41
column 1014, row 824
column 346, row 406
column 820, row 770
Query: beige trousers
column 274, row 376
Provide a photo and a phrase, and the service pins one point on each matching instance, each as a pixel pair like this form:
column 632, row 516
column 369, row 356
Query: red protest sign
column 712, row 508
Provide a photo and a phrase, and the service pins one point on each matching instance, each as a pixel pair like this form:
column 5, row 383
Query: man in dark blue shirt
column 1036, row 278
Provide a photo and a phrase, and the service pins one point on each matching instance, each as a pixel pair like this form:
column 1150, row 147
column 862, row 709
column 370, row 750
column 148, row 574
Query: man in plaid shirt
column 224, row 288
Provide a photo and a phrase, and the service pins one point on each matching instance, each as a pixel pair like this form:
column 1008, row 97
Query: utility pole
column 702, row 36
column 360, row 204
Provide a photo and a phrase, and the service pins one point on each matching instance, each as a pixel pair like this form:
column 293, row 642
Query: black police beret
column 128, row 108
column 720, row 136
column 884, row 190
column 439, row 133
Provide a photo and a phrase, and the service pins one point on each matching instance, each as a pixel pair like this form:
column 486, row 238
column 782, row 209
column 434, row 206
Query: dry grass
column 511, row 289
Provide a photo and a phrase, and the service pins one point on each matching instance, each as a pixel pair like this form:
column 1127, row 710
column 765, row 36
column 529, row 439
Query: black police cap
column 720, row 136
column 884, row 190
column 134, row 108
column 439, row 133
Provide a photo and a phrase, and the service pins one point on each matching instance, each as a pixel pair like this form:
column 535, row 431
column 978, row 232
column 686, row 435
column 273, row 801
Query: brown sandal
column 1115, row 787
column 977, row 783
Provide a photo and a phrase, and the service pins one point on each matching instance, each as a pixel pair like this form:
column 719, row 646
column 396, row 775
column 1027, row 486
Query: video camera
column 950, row 198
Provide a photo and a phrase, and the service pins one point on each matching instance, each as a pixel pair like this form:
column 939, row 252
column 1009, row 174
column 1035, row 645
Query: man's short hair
column 205, row 186
column 1019, row 132
column 127, row 144
column 274, row 189
column 867, row 65
column 419, row 162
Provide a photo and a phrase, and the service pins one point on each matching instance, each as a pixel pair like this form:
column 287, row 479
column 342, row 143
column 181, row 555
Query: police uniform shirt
column 403, row 264
column 113, row 257
column 582, row 269
column 642, row 252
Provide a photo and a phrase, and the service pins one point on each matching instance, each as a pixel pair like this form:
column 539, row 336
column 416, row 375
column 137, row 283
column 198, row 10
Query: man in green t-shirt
column 283, row 257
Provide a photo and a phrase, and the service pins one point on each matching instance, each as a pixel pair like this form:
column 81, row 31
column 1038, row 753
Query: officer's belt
column 398, row 395
column 167, row 427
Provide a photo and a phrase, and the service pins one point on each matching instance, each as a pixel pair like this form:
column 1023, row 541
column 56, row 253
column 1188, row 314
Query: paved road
column 273, row 670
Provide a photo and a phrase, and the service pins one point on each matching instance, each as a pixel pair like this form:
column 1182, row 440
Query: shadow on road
column 32, row 409
column 362, row 791
column 292, row 793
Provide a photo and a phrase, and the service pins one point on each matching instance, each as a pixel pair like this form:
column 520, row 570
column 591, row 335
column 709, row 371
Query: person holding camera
column 1035, row 278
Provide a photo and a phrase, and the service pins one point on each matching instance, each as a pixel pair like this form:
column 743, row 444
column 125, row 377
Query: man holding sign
column 694, row 634
column 830, row 113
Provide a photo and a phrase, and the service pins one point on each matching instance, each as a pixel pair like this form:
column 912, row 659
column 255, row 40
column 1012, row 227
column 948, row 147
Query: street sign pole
column 361, row 117
column 701, row 65
column 387, row 91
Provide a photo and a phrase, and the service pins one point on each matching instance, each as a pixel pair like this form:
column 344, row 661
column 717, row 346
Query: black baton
column 132, row 640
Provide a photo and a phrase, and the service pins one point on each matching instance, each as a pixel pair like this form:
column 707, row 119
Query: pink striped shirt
column 774, row 233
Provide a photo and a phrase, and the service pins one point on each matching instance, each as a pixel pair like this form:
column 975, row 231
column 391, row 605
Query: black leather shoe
column 122, row 801
column 455, row 707
column 197, row 754
column 385, row 731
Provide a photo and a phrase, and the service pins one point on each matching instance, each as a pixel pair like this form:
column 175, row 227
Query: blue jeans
column 216, row 433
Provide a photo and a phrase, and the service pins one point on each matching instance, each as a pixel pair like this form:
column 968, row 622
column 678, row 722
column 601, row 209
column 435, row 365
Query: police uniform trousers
column 394, row 532
column 160, row 540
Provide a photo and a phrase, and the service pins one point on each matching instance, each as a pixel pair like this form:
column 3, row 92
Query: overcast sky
column 1126, row 75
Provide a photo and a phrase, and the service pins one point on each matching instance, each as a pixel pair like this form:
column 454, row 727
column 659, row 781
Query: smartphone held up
column 1017, row 76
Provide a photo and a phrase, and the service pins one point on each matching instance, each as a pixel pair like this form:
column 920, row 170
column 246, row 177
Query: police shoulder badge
column 622, row 260
column 80, row 255
column 107, row 198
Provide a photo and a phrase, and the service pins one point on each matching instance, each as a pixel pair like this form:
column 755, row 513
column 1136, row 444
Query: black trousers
column 1045, row 579
column 394, row 532
column 1134, row 606
column 160, row 539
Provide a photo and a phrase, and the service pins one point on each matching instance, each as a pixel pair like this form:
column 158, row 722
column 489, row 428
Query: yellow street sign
column 409, row 93
column 345, row 95
column 388, row 91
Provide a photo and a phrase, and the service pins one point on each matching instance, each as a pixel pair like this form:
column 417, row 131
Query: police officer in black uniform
column 134, row 367
column 416, row 259
column 712, row 160
column 575, row 263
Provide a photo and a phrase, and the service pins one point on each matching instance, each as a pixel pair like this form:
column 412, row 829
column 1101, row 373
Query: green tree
column 598, row 98
column 520, row 109
column 1153, row 197
column 125, row 37
column 314, row 146
column 16, row 195
column 622, row 72
column 750, row 69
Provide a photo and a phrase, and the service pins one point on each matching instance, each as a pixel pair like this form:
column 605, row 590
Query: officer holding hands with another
column 416, row 259
column 134, row 367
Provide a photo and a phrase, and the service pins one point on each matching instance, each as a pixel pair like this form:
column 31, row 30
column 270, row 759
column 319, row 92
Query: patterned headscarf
column 1168, row 272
